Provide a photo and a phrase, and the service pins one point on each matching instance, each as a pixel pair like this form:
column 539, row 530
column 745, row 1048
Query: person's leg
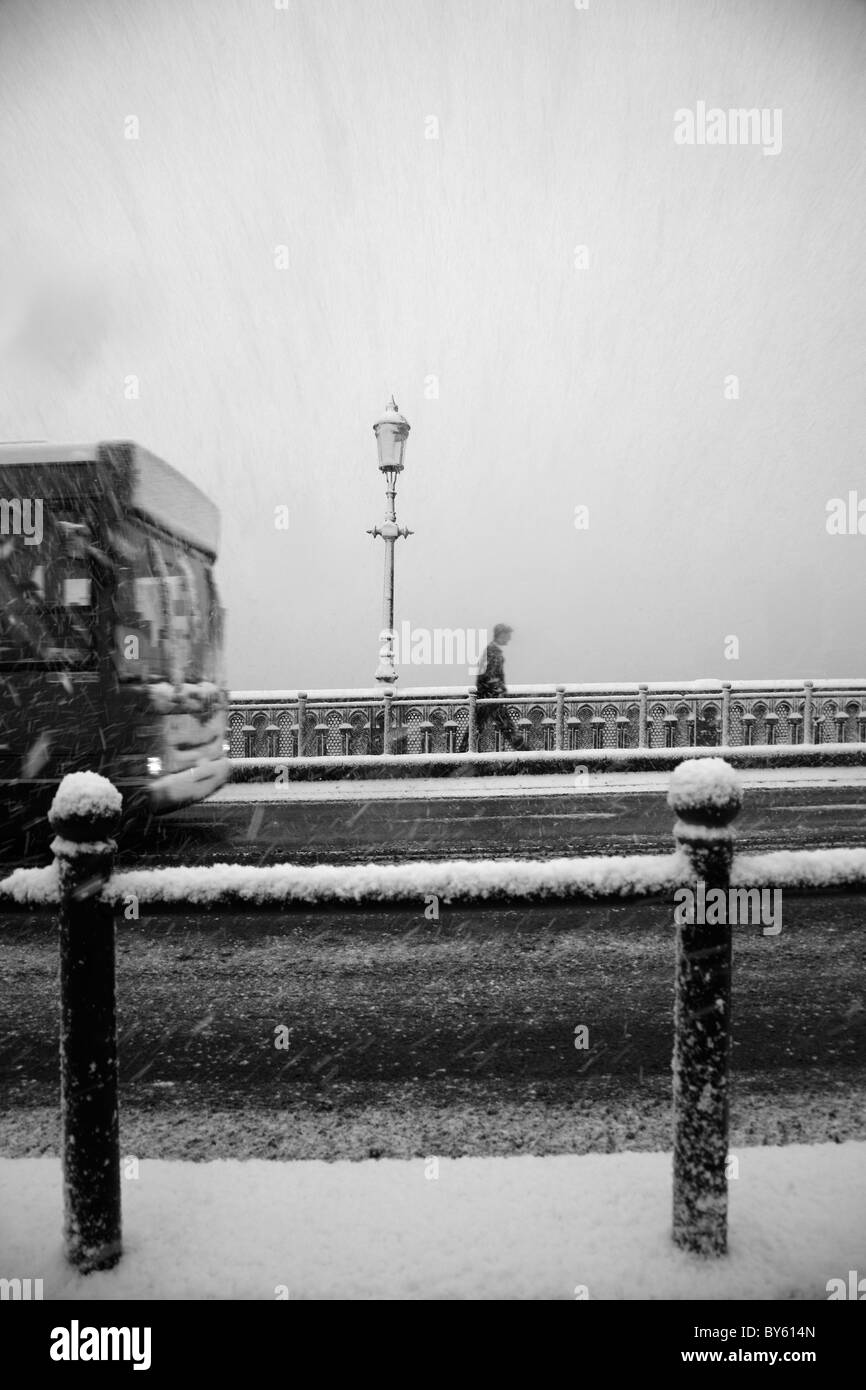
column 506, row 726
column 481, row 717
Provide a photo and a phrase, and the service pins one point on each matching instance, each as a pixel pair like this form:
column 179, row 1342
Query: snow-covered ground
column 467, row 1228
column 519, row 784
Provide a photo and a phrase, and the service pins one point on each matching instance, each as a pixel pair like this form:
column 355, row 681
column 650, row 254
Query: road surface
column 493, row 817
column 411, row 1036
column 405, row 1035
column 496, row 817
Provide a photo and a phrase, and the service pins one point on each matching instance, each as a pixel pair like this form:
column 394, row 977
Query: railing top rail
column 548, row 691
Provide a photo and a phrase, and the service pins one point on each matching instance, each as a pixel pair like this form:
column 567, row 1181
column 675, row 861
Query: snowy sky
column 412, row 258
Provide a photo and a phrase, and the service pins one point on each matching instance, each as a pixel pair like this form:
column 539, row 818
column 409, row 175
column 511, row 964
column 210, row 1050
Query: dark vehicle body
column 110, row 628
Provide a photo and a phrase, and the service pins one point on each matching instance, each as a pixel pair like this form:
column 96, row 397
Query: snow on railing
column 454, row 881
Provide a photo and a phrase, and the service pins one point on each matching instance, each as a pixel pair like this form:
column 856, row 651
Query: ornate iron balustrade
column 291, row 724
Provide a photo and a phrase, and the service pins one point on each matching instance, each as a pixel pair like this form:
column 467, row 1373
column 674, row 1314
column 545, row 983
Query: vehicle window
column 180, row 613
column 47, row 599
column 190, row 567
column 208, row 634
column 141, row 630
column 168, row 615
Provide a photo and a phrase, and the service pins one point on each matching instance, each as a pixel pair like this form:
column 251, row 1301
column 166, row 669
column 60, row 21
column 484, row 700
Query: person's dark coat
column 490, row 682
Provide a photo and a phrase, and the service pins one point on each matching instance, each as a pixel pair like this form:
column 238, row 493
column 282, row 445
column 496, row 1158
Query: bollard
column 706, row 796
column 83, row 815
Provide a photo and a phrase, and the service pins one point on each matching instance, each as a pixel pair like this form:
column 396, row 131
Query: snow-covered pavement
column 522, row 784
column 595, row 1226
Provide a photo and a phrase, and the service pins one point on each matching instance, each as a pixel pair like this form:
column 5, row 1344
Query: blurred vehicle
column 111, row 629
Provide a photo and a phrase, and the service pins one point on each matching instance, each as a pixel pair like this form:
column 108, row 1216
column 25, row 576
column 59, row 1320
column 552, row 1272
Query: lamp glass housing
column 391, row 431
column 391, row 441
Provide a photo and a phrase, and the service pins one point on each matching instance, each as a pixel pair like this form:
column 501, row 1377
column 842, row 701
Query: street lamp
column 391, row 431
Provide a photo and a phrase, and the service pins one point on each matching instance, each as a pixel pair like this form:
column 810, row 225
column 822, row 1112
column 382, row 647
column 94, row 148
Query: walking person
column 490, row 684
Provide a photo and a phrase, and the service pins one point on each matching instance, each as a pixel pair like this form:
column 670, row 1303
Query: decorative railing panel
column 291, row 724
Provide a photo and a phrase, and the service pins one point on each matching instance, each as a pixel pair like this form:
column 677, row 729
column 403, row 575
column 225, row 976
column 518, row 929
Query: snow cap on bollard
column 86, row 807
column 706, row 795
column 705, row 792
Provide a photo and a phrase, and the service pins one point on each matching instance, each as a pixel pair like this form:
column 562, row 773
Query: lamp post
column 391, row 431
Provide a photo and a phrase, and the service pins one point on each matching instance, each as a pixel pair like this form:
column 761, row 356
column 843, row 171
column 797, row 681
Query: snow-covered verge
column 466, row 1228
column 450, row 880
column 402, row 765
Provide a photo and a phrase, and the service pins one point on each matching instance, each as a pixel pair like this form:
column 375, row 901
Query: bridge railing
column 442, row 720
